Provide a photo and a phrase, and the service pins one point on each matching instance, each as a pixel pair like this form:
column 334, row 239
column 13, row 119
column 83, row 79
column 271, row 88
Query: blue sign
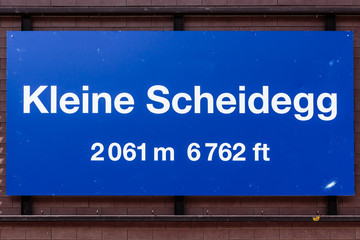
column 180, row 113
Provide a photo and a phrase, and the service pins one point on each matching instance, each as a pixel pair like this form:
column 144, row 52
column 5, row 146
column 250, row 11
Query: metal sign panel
column 180, row 113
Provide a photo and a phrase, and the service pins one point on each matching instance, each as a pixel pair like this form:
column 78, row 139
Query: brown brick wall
column 165, row 205
column 135, row 3
column 178, row 231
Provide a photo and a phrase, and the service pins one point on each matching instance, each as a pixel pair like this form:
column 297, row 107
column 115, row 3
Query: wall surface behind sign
column 165, row 205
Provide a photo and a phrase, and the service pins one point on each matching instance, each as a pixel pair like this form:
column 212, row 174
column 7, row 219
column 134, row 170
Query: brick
column 138, row 2
column 189, row 2
column 2, row 189
column 292, row 211
column 192, row 233
column 41, row 211
column 229, row 225
column 3, row 129
column 76, row 29
column 63, row 22
column 137, row 234
column 266, row 211
column 40, row 22
column 194, row 211
column 2, row 114
column 201, row 201
column 38, row 234
column 2, row 178
column 13, row 3
column 113, row 3
column 265, row 21
column 311, row 233
column 292, row 233
column 216, row 211
column 178, row 225
column 63, row 211
column 88, row 3
column 204, row 225
column 140, row 211
column 12, row 234
column 323, row 234
column 254, row 202
column 88, row 234
column 6, row 225
column 267, row 233
column 347, row 211
column 153, row 201
column 349, row 201
column 314, row 21
column 5, row 202
column 151, row 211
column 2, row 64
column 315, row 2
column 357, row 233
column 8, row 22
column 88, row 211
column 165, row 234
column 192, row 21
column 279, row 202
column 239, row 21
column 63, row 3
column 114, row 234
column 37, row 3
column 356, row 22
column 88, row 22
column 304, row 202
column 343, row 233
column 113, row 211
column 342, row 2
column 127, row 201
column 63, row 233
column 113, row 22
column 214, row 2
column 241, row 211
column 68, row 225
column 241, row 233
column 265, row 2
column 2, row 172
column 101, row 225
column 239, row 2
column 163, row 2
column 2, row 74
column 290, row 21
column 2, row 85
column 101, row 202
column 357, row 210
column 150, row 225
column 214, row 21
column 140, row 22
column 315, row 211
column 344, row 20
column 48, row 202
column 162, row 22
column 216, row 233
column 76, row 202
column 290, row 2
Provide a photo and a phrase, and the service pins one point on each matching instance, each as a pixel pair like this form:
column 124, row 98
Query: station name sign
column 225, row 103
column 180, row 113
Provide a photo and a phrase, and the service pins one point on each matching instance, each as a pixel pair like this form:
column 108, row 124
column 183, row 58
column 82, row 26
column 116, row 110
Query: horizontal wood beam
column 179, row 218
column 116, row 11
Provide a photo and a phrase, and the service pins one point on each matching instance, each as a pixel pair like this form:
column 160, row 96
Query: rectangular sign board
column 180, row 113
